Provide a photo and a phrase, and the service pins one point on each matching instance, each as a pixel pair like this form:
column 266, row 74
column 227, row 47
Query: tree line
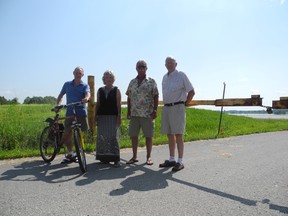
column 29, row 100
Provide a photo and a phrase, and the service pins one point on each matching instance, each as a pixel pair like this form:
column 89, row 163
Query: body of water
column 264, row 116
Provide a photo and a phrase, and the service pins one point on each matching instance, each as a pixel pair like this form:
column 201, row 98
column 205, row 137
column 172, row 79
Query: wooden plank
column 201, row 102
column 239, row 102
column 255, row 100
column 281, row 104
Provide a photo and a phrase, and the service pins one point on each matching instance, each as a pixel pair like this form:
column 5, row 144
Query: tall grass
column 21, row 127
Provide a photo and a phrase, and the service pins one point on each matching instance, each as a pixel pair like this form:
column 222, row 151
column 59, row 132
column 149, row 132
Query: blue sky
column 243, row 43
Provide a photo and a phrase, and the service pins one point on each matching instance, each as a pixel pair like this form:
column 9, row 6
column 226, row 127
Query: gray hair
column 141, row 62
column 108, row 73
column 171, row 58
column 78, row 68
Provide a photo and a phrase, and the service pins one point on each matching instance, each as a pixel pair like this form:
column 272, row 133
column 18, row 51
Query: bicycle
column 50, row 140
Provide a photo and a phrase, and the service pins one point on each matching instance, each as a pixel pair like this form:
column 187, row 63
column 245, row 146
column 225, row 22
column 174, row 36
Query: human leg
column 67, row 140
column 166, row 123
column 147, row 125
column 172, row 144
column 134, row 141
column 149, row 150
column 180, row 147
column 134, row 147
column 178, row 129
column 133, row 132
column 71, row 156
column 67, row 136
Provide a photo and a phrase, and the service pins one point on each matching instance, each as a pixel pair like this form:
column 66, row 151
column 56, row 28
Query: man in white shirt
column 177, row 93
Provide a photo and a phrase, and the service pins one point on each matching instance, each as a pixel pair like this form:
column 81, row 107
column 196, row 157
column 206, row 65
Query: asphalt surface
column 245, row 175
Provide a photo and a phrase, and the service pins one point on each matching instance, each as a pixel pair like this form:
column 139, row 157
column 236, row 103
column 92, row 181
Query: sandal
column 149, row 162
column 132, row 161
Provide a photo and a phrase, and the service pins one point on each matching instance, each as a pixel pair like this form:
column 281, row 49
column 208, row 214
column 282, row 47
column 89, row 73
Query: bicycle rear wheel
column 79, row 148
column 48, row 146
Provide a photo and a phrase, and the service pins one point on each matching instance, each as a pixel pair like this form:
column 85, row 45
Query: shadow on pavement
column 281, row 209
column 136, row 177
column 40, row 171
column 132, row 181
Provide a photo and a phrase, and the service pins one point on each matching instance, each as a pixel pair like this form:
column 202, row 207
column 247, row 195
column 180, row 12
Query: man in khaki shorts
column 75, row 90
column 177, row 93
column 142, row 105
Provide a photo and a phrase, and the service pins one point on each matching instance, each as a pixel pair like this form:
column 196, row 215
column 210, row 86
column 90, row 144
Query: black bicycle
column 50, row 140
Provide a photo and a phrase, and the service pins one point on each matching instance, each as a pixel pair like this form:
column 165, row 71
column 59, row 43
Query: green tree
column 50, row 100
column 14, row 101
column 3, row 100
column 40, row 100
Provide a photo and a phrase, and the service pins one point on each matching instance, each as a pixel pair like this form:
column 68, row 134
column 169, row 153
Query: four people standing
column 142, row 105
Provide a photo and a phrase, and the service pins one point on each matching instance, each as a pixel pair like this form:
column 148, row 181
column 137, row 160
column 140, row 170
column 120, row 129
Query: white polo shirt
column 175, row 87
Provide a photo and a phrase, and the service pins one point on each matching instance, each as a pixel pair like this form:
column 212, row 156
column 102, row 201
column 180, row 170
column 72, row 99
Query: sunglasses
column 141, row 66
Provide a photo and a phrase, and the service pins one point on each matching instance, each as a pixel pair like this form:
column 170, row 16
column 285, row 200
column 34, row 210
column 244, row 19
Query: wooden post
column 219, row 128
column 91, row 104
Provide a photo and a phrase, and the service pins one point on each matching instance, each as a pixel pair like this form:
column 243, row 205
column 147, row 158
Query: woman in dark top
column 108, row 120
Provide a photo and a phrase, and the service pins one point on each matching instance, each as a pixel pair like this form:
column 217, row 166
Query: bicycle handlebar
column 58, row 108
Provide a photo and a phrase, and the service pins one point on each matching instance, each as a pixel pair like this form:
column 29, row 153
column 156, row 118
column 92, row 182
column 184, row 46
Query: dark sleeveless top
column 108, row 106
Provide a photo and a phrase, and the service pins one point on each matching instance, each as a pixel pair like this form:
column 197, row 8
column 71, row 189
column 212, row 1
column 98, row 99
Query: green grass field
column 21, row 126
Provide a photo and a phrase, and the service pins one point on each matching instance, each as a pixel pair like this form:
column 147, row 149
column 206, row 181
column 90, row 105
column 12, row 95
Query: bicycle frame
column 55, row 142
column 75, row 124
column 57, row 126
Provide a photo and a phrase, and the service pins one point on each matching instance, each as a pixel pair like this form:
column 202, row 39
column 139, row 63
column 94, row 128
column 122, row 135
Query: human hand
column 128, row 116
column 84, row 100
column 56, row 109
column 153, row 114
column 118, row 123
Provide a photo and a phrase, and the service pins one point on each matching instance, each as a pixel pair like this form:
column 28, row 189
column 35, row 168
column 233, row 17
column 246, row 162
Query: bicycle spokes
column 79, row 143
column 48, row 144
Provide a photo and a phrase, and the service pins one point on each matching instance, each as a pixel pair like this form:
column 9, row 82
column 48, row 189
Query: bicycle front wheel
column 79, row 148
column 48, row 146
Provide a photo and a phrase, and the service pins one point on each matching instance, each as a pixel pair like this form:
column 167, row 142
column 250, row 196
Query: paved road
column 245, row 175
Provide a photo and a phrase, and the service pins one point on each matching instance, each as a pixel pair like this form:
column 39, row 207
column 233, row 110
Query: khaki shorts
column 81, row 119
column 136, row 123
column 173, row 119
